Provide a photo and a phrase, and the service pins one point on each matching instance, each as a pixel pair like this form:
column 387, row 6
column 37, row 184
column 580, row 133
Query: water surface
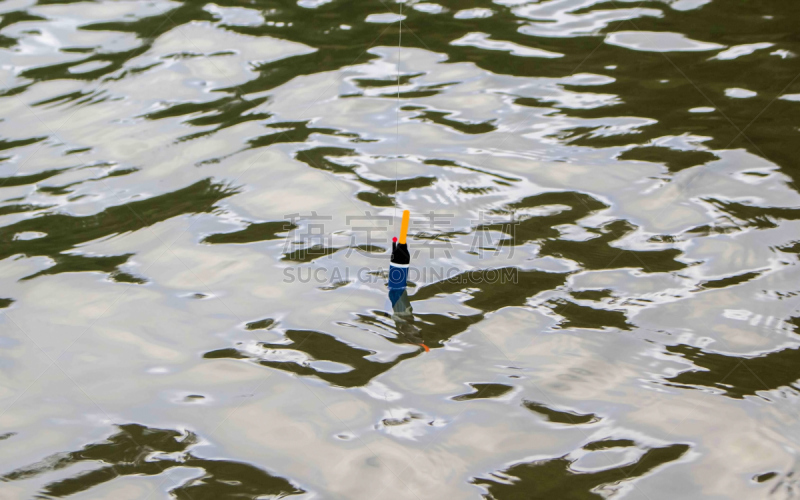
column 196, row 206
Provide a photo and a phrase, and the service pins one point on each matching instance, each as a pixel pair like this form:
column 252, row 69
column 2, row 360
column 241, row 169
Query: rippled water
column 197, row 205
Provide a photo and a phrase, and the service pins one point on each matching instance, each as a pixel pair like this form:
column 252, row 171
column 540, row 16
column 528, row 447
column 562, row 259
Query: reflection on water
column 403, row 316
column 739, row 376
column 560, row 416
column 139, row 450
column 196, row 205
column 559, row 477
column 53, row 234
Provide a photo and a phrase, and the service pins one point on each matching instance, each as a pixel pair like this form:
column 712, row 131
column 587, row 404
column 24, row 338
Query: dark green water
column 196, row 206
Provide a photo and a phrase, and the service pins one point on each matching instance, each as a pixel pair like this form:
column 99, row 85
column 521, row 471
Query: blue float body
column 398, row 275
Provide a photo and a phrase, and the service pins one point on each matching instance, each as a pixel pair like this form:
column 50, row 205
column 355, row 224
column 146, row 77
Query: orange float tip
column 404, row 226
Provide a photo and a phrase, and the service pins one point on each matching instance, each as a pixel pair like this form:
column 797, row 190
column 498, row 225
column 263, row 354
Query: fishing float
column 398, row 281
column 400, row 260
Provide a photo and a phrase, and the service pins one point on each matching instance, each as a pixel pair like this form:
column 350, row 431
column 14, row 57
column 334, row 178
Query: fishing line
column 397, row 111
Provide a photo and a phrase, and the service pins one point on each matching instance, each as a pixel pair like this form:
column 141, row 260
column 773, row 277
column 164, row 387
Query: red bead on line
column 394, row 240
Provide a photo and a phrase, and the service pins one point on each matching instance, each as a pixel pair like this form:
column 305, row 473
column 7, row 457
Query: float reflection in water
column 403, row 316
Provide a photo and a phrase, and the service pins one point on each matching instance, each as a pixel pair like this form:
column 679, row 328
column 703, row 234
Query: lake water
column 196, row 209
